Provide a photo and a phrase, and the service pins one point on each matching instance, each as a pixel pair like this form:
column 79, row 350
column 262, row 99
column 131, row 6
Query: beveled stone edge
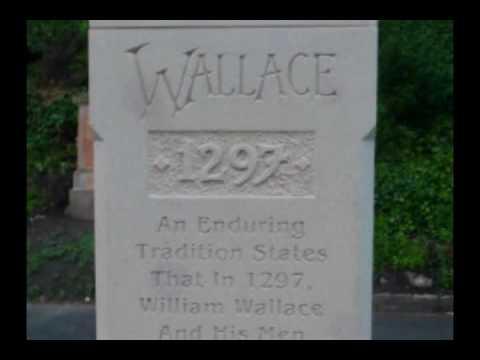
column 140, row 24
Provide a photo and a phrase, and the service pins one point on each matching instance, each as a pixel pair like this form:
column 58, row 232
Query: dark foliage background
column 414, row 179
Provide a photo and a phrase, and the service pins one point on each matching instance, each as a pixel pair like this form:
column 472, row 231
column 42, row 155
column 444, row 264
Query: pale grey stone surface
column 177, row 263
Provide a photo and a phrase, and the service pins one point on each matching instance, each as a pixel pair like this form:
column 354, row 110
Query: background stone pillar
column 81, row 195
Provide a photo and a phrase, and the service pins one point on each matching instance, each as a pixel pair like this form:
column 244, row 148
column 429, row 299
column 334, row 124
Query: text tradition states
column 231, row 163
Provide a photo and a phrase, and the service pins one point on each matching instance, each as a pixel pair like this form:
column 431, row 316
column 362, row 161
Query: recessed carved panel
column 230, row 163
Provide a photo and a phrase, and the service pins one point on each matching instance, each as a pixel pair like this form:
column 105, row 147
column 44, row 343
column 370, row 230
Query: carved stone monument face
column 81, row 199
column 234, row 166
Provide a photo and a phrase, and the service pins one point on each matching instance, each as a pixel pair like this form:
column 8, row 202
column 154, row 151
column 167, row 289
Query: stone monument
column 81, row 195
column 234, row 176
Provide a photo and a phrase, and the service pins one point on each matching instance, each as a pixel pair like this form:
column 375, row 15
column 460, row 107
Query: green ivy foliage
column 58, row 50
column 57, row 71
column 414, row 211
column 416, row 70
column 51, row 149
column 414, row 173
column 43, row 33
column 62, row 270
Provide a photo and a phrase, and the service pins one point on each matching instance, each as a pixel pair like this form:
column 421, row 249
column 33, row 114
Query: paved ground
column 77, row 322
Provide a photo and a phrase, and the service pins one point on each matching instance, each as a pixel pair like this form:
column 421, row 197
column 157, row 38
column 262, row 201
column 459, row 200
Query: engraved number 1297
column 242, row 157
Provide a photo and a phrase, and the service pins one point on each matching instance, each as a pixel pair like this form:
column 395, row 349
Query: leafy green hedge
column 51, row 149
column 57, row 71
column 414, row 180
column 416, row 71
column 61, row 271
column 414, row 206
column 58, row 51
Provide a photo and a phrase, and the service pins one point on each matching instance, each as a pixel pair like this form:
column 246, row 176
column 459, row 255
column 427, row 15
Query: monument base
column 81, row 204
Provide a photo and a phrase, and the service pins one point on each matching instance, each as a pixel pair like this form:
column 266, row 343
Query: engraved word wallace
column 200, row 66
